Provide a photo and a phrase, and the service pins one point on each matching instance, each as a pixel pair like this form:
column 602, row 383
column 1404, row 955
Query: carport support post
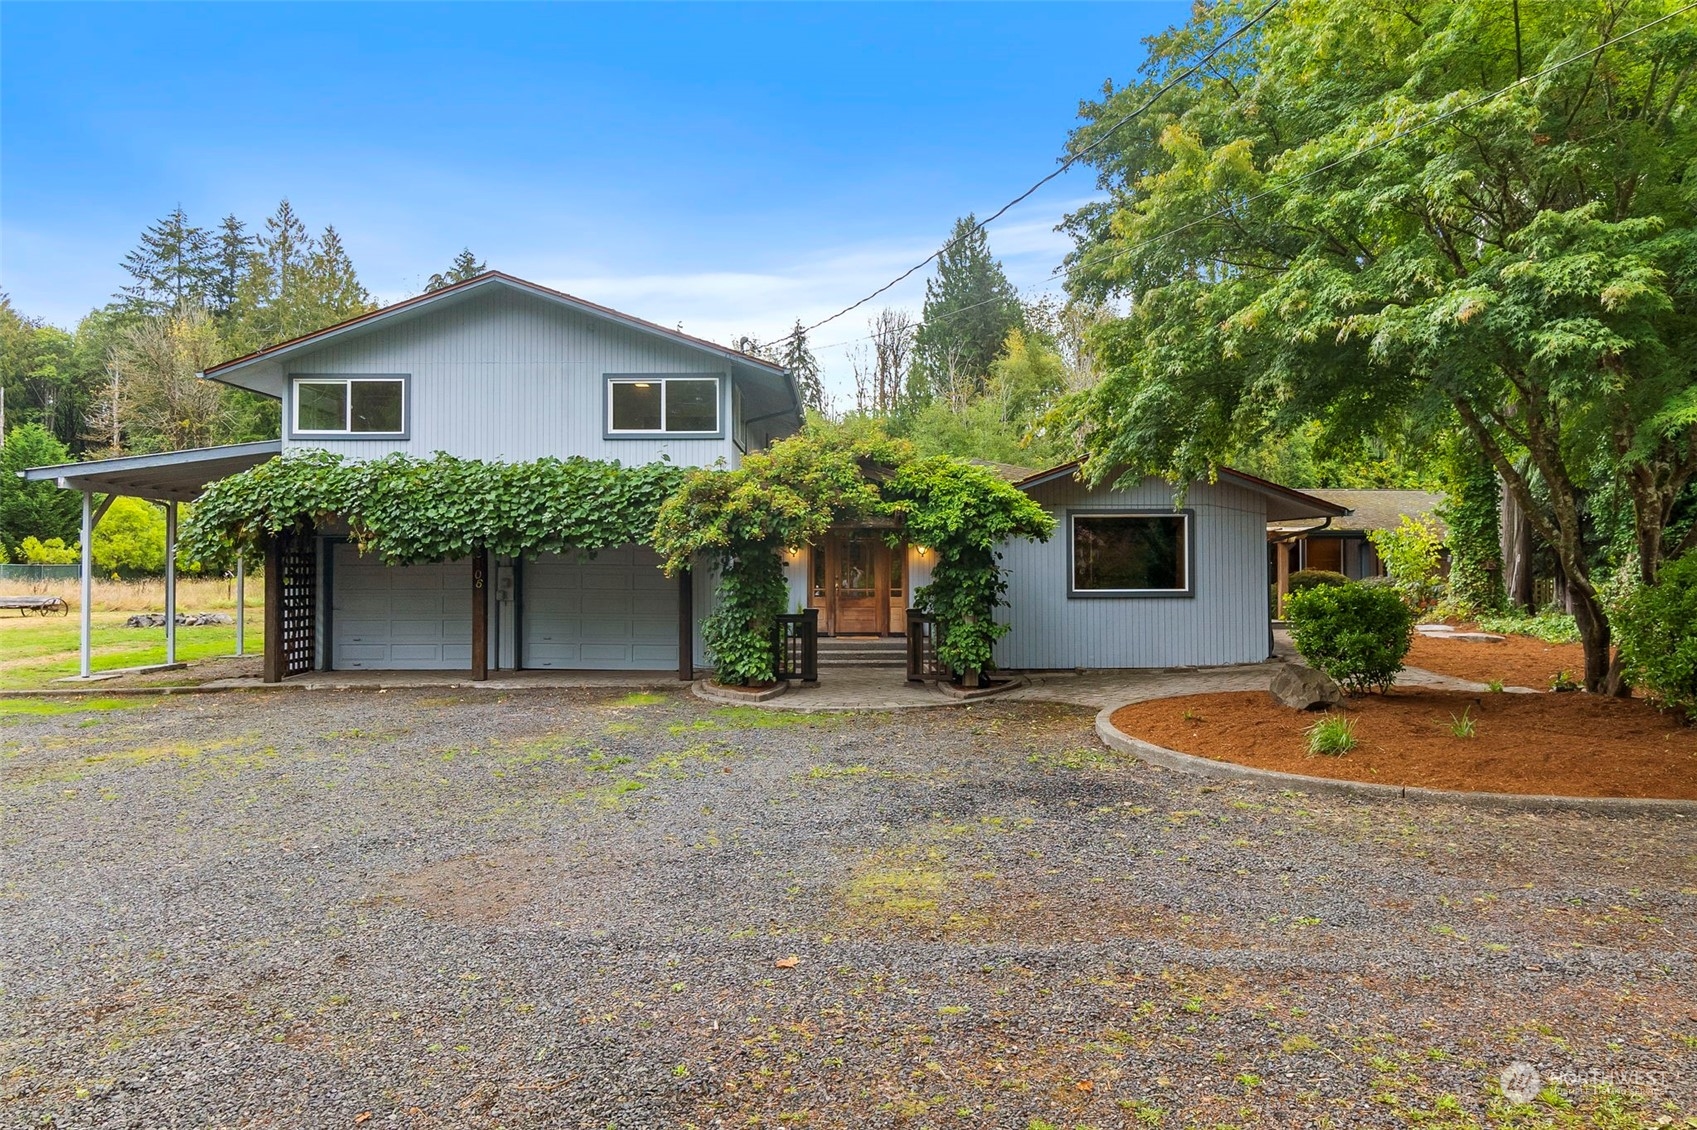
column 480, row 615
column 86, row 614
column 170, row 582
column 241, row 604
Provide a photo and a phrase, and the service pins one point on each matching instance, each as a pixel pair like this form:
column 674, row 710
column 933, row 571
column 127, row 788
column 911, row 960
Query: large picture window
column 350, row 405
column 1130, row 554
column 681, row 405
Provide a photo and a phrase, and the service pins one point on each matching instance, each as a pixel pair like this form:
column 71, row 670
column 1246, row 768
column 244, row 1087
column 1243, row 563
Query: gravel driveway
column 600, row 909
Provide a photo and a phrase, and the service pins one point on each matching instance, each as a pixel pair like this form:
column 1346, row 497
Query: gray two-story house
column 496, row 368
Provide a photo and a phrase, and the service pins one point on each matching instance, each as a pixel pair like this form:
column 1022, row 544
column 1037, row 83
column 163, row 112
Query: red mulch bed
column 1518, row 661
column 1540, row 744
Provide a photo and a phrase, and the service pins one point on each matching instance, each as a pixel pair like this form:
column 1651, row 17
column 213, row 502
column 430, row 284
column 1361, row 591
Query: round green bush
column 1656, row 629
column 1357, row 634
column 1304, row 579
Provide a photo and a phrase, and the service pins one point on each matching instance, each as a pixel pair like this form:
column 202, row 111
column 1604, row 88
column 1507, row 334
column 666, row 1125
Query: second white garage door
column 615, row 611
column 399, row 617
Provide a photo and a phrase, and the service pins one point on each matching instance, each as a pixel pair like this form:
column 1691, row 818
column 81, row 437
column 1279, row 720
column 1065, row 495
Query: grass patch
column 756, row 718
column 1551, row 627
column 35, row 650
column 50, row 707
column 638, row 698
column 908, row 892
column 1332, row 736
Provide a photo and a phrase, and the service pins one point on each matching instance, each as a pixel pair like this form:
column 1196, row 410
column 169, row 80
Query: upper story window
column 350, row 405
column 1130, row 554
column 672, row 405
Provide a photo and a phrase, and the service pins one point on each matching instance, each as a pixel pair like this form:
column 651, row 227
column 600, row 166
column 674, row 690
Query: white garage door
column 613, row 611
column 399, row 617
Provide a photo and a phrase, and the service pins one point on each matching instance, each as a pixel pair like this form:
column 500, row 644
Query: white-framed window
column 1129, row 554
column 672, row 405
column 325, row 406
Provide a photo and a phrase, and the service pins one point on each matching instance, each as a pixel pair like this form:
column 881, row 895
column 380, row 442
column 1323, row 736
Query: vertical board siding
column 508, row 376
column 1224, row 622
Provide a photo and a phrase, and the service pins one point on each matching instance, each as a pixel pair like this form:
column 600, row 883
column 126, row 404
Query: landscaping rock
column 184, row 619
column 1304, row 688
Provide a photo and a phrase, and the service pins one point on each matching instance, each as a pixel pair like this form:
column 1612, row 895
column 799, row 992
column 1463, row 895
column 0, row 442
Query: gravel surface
column 598, row 909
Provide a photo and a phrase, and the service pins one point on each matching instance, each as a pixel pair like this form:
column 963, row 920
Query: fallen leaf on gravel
column 1086, row 1085
column 789, row 962
column 362, row 1116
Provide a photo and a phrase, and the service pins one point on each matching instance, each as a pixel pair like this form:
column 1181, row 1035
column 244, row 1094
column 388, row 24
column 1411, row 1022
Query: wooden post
column 480, row 614
column 273, row 610
column 686, row 625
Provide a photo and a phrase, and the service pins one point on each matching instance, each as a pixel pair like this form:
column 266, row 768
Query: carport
column 169, row 477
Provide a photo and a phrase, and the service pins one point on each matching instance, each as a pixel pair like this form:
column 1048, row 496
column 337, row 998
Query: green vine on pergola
column 408, row 510
column 788, row 496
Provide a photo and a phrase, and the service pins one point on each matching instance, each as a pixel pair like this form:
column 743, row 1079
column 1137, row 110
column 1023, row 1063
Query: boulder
column 1304, row 688
column 184, row 619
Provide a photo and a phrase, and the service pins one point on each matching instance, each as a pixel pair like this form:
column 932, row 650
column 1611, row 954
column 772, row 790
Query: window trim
column 1186, row 593
column 608, row 380
column 291, row 408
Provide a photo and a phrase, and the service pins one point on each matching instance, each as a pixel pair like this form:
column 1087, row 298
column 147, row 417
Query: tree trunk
column 1516, row 534
column 1594, row 634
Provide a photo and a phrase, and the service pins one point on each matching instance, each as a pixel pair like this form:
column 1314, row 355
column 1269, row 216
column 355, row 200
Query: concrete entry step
column 862, row 651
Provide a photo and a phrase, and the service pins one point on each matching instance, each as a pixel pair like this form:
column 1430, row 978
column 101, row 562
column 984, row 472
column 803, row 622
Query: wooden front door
column 857, row 582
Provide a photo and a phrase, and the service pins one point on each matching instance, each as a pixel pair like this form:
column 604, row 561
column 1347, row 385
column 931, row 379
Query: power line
column 1330, row 165
column 1064, row 166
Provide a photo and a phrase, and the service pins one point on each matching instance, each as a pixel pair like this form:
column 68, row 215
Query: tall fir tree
column 465, row 266
column 798, row 358
column 172, row 265
column 969, row 308
column 231, row 250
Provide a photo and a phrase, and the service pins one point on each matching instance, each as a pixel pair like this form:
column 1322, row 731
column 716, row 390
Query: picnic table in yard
column 39, row 605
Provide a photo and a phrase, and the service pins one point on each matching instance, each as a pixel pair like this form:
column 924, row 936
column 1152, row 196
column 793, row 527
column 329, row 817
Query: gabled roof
column 459, row 290
column 1380, row 509
column 1283, row 503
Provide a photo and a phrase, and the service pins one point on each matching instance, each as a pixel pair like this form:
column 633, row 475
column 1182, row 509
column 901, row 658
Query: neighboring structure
column 497, row 368
column 1340, row 543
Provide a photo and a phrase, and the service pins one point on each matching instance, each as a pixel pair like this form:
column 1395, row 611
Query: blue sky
column 731, row 167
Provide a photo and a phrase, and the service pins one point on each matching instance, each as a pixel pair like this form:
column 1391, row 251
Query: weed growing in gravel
column 1462, row 727
column 755, row 718
column 1495, row 686
column 1333, row 736
column 639, row 698
column 833, row 772
column 48, row 707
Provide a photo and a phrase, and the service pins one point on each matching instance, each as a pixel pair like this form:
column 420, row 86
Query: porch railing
column 797, row 646
column 922, row 662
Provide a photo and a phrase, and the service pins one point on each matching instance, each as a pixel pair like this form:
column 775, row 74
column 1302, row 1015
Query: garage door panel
column 614, row 611
column 401, row 617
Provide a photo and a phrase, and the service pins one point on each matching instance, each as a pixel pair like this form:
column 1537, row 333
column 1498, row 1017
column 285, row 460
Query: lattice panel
column 298, row 564
column 922, row 661
column 798, row 646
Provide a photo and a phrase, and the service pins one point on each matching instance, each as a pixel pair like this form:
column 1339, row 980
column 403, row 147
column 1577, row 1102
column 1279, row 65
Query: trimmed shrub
column 1357, row 634
column 1304, row 579
column 1656, row 629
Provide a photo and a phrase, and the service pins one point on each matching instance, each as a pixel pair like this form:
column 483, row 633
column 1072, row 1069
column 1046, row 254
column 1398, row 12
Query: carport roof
column 169, row 476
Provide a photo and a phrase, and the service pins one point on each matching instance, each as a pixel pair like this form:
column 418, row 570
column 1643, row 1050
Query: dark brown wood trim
column 273, row 611
column 686, row 626
column 480, row 614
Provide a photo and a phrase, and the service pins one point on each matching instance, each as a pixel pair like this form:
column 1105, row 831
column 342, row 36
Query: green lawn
column 36, row 650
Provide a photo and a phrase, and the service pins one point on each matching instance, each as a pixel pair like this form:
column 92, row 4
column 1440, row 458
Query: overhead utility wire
column 1330, row 165
column 1064, row 166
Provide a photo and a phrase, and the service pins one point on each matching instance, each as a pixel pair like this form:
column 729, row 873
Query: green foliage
column 1331, row 736
column 1657, row 630
column 792, row 493
column 53, row 551
column 1463, row 727
column 1551, row 626
column 1471, row 512
column 1357, row 634
column 408, row 510
column 1335, row 225
column 1010, row 421
column 465, row 266
column 130, row 539
column 1304, row 579
column 39, row 510
column 969, row 308
column 1413, row 556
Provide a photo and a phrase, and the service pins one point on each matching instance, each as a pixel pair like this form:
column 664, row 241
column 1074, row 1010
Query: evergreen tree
column 173, row 264
column 294, row 284
column 969, row 308
column 232, row 248
column 797, row 357
column 465, row 266
column 335, row 291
